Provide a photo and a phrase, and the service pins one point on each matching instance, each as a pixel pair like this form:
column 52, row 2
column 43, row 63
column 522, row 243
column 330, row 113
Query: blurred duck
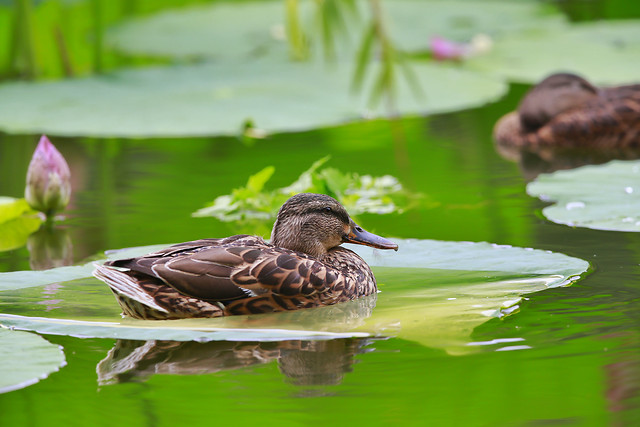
column 303, row 266
column 566, row 111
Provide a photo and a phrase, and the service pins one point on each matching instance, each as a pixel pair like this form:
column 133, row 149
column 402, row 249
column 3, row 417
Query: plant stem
column 22, row 56
column 98, row 30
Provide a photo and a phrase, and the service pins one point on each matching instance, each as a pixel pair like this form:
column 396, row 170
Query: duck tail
column 134, row 301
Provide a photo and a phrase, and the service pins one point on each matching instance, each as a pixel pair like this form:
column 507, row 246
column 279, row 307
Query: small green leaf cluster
column 358, row 193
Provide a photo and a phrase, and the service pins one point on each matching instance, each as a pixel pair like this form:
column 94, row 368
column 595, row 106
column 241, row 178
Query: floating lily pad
column 432, row 292
column 16, row 223
column 25, row 359
column 605, row 52
column 256, row 29
column 210, row 99
column 26, row 279
column 602, row 197
column 11, row 208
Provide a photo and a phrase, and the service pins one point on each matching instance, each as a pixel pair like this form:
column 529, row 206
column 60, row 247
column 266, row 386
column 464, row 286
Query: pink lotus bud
column 48, row 179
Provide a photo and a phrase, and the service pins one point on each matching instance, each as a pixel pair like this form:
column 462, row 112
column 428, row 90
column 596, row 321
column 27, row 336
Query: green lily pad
column 11, row 208
column 602, row 197
column 17, row 222
column 254, row 30
column 432, row 292
column 25, row 359
column 26, row 279
column 212, row 99
column 604, row 52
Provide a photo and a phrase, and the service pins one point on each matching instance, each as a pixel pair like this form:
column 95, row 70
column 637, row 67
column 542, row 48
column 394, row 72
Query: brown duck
column 303, row 266
column 566, row 111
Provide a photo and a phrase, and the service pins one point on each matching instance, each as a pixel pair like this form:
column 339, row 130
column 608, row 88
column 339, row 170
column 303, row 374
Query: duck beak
column 360, row 236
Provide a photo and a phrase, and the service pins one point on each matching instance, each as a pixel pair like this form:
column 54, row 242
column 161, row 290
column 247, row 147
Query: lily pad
column 602, row 197
column 26, row 279
column 17, row 222
column 25, row 359
column 213, row 99
column 433, row 292
column 11, row 208
column 254, row 30
column 604, row 52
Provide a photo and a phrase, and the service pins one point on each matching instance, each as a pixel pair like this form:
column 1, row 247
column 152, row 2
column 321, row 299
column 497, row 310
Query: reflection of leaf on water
column 359, row 194
column 25, row 359
column 432, row 292
column 602, row 197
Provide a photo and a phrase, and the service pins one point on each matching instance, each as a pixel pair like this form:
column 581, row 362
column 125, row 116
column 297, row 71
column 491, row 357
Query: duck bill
column 360, row 236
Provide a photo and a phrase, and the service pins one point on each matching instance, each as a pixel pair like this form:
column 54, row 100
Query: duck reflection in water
column 302, row 362
column 565, row 122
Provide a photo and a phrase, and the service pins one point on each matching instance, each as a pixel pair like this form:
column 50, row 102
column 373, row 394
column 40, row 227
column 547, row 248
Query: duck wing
column 234, row 268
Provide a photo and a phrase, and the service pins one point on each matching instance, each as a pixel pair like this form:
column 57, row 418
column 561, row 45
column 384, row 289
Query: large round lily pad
column 253, row 30
column 25, row 359
column 605, row 52
column 212, row 99
column 602, row 197
column 432, row 292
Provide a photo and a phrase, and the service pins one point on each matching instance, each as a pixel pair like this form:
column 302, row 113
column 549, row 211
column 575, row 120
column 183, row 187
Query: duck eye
column 327, row 209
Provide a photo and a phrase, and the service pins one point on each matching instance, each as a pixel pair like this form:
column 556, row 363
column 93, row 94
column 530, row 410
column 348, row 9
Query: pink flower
column 48, row 179
column 442, row 48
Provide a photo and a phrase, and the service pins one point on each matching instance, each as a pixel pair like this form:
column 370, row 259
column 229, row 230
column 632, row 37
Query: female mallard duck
column 304, row 266
column 565, row 110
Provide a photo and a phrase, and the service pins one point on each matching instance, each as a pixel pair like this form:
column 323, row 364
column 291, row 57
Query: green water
column 570, row 356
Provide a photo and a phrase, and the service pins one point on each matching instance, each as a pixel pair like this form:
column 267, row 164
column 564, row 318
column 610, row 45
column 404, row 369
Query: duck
column 565, row 110
column 303, row 266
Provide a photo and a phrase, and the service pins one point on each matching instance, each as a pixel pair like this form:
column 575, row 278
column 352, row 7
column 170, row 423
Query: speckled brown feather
column 609, row 119
column 235, row 275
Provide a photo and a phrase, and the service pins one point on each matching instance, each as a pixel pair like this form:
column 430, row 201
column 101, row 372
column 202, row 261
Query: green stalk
column 22, row 56
column 295, row 35
column 98, row 33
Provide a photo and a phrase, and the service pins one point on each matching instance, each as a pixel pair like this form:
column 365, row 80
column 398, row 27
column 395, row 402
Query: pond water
column 569, row 356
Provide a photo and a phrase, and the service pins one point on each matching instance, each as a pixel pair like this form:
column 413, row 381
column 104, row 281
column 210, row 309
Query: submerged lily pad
column 602, row 197
column 212, row 99
column 256, row 29
column 605, row 52
column 25, row 359
column 432, row 292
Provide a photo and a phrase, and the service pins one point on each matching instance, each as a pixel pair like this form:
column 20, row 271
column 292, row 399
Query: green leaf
column 14, row 233
column 432, row 292
column 256, row 182
column 602, row 197
column 359, row 194
column 604, row 52
column 218, row 99
column 11, row 208
column 25, row 359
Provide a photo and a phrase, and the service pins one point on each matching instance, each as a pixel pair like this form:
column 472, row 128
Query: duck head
column 555, row 94
column 315, row 223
